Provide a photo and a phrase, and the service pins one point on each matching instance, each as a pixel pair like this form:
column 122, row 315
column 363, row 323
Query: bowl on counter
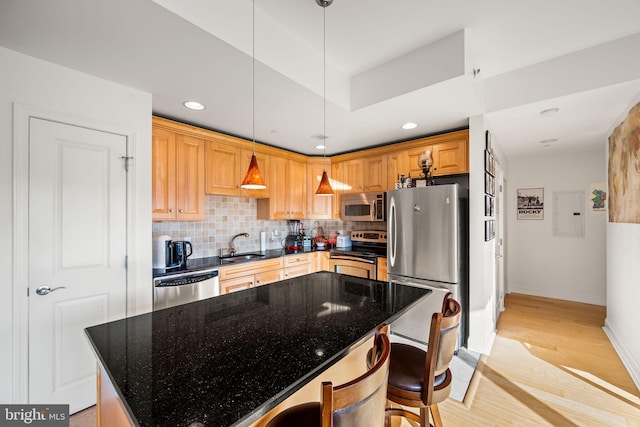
column 320, row 245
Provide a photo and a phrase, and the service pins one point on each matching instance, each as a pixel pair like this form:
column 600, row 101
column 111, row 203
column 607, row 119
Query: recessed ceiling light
column 409, row 125
column 549, row 112
column 547, row 141
column 321, row 146
column 193, row 105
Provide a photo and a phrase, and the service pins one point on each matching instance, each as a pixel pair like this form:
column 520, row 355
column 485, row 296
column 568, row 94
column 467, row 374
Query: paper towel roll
column 263, row 241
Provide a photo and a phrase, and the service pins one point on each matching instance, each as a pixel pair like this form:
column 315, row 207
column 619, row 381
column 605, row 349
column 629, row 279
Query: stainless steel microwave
column 363, row 207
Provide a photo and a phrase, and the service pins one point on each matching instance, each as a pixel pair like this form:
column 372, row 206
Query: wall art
column 624, row 170
column 530, row 203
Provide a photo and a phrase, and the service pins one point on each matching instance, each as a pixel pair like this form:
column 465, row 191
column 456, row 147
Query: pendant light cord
column 253, row 75
column 324, row 83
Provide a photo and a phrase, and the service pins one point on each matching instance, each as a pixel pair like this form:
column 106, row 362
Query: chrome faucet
column 232, row 249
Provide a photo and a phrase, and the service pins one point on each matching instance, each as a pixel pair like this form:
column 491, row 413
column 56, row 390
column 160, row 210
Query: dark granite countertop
column 228, row 360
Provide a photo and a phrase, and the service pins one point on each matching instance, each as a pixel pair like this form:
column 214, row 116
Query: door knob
column 44, row 289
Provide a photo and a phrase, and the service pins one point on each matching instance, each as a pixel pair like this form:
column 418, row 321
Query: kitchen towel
column 263, row 241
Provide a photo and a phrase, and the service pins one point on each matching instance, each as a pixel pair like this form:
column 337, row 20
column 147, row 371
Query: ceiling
column 387, row 63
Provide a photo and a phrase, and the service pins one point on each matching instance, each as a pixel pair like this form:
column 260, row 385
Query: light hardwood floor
column 551, row 365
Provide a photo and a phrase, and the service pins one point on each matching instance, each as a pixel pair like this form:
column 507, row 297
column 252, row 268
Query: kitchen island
column 228, row 360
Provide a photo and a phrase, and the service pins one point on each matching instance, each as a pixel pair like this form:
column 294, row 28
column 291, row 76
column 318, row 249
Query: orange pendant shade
column 324, row 189
column 253, row 179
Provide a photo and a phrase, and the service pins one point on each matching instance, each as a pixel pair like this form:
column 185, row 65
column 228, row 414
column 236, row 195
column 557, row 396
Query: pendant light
column 324, row 189
column 253, row 179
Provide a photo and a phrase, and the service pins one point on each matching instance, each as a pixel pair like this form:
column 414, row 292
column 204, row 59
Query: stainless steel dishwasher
column 182, row 288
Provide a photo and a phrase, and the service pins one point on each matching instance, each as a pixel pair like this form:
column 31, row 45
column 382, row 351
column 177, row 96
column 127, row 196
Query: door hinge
column 27, row 292
column 126, row 262
column 126, row 162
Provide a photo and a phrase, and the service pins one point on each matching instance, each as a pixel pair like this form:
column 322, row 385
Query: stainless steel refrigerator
column 427, row 246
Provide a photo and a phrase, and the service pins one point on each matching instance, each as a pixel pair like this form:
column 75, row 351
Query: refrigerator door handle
column 393, row 228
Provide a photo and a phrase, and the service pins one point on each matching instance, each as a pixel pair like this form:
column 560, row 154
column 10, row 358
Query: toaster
column 343, row 242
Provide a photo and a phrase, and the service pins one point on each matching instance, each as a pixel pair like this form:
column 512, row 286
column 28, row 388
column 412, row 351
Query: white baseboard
column 628, row 359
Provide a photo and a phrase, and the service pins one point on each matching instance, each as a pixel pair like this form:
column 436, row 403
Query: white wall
column 540, row 264
column 46, row 86
column 482, row 282
column 622, row 324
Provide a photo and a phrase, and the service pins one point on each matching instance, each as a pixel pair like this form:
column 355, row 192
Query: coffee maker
column 169, row 253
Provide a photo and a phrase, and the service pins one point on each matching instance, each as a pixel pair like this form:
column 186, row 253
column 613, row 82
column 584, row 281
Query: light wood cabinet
column 222, row 169
column 287, row 190
column 363, row 174
column 397, row 164
column 382, row 269
column 249, row 274
column 449, row 158
column 177, row 176
column 374, row 176
column 297, row 265
column 321, row 261
column 318, row 207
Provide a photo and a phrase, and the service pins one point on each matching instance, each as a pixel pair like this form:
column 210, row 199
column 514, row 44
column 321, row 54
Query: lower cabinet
column 249, row 275
column 297, row 265
column 382, row 269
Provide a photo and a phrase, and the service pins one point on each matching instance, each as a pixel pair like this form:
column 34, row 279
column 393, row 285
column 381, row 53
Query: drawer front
column 247, row 268
column 237, row 284
column 297, row 259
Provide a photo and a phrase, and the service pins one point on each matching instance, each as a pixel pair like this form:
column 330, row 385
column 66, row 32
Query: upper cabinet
column 189, row 161
column 177, row 176
column 363, row 174
column 222, row 169
column 318, row 207
column 287, row 190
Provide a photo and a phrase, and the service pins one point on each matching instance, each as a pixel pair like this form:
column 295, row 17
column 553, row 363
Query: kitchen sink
column 241, row 257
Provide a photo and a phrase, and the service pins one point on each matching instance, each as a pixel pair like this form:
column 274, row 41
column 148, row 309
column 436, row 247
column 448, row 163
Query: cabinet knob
column 172, row 210
column 181, row 210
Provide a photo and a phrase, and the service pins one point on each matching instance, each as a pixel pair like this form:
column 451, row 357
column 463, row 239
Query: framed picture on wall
column 489, row 230
column 489, row 205
column 488, row 163
column 530, row 203
column 489, row 184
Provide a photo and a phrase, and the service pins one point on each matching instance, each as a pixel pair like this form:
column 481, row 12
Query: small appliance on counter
column 343, row 242
column 169, row 253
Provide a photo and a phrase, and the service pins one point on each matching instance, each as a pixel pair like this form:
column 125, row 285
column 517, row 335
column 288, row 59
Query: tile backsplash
column 227, row 216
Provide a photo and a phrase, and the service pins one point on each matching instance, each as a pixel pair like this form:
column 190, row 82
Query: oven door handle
column 350, row 258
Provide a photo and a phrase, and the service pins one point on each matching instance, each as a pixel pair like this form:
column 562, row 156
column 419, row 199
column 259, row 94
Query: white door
column 499, row 206
column 77, row 247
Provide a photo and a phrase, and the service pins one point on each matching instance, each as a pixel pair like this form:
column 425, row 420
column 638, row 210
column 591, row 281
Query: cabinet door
column 223, row 169
column 450, row 157
column 338, row 189
column 375, row 173
column 397, row 164
column 297, row 189
column 263, row 164
column 163, row 170
column 237, row 284
column 382, row 269
column 267, row 277
column 189, row 178
column 412, row 156
column 298, row 270
column 278, row 189
column 318, row 207
column 352, row 173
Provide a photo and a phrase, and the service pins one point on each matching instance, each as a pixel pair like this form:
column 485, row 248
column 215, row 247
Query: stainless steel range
column 360, row 259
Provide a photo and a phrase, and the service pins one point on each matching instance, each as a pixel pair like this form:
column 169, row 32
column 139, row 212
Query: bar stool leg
column 435, row 413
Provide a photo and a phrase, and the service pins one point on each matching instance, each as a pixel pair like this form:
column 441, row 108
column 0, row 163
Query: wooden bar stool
column 358, row 403
column 423, row 379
